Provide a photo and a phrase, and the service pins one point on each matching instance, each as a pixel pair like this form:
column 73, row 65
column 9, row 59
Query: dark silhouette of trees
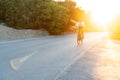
column 36, row 14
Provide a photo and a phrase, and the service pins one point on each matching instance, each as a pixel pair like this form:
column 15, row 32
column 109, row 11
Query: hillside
column 7, row 33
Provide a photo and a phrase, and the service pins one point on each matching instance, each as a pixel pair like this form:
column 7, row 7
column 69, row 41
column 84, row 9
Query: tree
column 55, row 18
column 74, row 13
column 35, row 14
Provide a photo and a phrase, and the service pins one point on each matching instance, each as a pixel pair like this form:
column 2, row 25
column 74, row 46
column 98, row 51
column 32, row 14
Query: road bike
column 80, row 37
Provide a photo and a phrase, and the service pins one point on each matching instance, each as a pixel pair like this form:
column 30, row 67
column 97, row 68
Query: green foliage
column 1, row 10
column 18, row 13
column 55, row 18
column 71, row 6
column 36, row 14
column 74, row 13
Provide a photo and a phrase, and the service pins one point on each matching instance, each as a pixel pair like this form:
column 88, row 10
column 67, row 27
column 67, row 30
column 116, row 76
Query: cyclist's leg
column 81, row 38
column 82, row 35
column 78, row 40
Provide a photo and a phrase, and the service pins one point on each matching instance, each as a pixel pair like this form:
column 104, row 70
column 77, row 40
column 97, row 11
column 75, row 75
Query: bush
column 55, row 18
column 35, row 14
column 20, row 14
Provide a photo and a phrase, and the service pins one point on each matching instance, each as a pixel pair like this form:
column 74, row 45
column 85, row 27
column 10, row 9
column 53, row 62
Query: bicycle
column 80, row 36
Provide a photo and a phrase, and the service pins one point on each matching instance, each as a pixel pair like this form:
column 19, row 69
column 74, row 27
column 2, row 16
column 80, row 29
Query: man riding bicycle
column 80, row 32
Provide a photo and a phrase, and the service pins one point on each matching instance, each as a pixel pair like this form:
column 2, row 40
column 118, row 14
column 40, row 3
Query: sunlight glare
column 103, row 11
column 107, row 66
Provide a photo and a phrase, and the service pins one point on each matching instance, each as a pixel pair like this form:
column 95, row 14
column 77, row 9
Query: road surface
column 101, row 62
column 59, row 58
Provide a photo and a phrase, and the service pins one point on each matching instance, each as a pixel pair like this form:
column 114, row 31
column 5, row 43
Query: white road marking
column 16, row 63
column 69, row 65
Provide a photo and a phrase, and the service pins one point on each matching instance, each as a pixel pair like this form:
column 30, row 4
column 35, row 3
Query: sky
column 103, row 10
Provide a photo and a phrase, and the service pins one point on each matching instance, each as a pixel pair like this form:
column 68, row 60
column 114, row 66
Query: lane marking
column 69, row 65
column 17, row 62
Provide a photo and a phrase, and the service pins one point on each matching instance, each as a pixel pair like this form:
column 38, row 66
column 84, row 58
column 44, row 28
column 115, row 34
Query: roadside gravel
column 7, row 33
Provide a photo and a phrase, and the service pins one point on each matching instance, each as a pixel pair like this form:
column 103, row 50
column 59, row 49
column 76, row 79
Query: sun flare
column 103, row 11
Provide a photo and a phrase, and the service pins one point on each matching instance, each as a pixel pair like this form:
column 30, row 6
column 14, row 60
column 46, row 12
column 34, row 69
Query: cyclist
column 80, row 32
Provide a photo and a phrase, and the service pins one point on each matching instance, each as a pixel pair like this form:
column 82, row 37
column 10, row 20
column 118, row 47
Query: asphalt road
column 59, row 58
column 101, row 62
